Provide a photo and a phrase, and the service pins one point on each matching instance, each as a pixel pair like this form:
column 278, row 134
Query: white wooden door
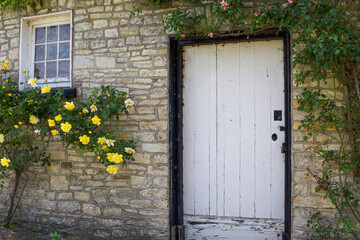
column 233, row 169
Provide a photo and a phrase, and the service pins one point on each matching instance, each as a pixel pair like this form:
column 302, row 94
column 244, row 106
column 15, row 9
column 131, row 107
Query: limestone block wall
column 305, row 200
column 75, row 194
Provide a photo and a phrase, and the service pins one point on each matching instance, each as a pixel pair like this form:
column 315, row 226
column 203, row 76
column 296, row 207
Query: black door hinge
column 177, row 232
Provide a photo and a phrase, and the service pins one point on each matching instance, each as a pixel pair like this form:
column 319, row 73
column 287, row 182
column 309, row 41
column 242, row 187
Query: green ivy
column 14, row 5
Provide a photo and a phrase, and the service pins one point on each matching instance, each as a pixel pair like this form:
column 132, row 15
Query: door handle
column 283, row 148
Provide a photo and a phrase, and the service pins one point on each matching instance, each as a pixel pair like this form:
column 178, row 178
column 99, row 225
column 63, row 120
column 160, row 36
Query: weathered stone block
column 140, row 181
column 112, row 212
column 91, row 209
column 140, row 203
column 64, row 196
column 105, row 62
column 82, row 196
column 69, row 207
column 58, row 183
column 83, row 62
column 46, row 204
column 111, row 33
column 100, row 24
column 155, row 147
column 154, row 125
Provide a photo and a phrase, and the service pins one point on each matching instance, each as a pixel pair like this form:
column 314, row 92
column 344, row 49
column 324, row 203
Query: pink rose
column 223, row 4
column 211, row 35
column 182, row 35
column 255, row 14
column 290, row 1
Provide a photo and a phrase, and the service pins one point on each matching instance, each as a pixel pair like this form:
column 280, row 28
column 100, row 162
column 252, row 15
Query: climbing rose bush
column 40, row 114
column 32, row 119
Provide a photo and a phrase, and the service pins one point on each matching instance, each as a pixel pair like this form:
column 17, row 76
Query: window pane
column 64, row 69
column 39, row 53
column 65, row 32
column 51, row 52
column 64, row 50
column 51, row 69
column 39, row 70
column 52, row 34
column 40, row 35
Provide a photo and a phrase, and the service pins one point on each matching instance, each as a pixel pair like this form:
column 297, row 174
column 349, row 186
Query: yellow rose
column 85, row 111
column 96, row 120
column 51, row 123
column 110, row 142
column 55, row 132
column 33, row 119
column 9, row 94
column 117, row 158
column 37, row 131
column 101, row 140
column 93, row 108
column 20, row 123
column 16, row 126
column 129, row 150
column 58, row 118
column 2, row 138
column 69, row 106
column 84, row 139
column 112, row 169
column 24, row 70
column 129, row 103
column 32, row 82
column 5, row 162
column 6, row 63
column 66, row 127
column 109, row 157
column 98, row 157
column 45, row 89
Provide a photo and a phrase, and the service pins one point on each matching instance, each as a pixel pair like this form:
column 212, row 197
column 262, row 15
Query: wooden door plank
column 231, row 112
column 262, row 130
column 202, row 125
column 221, row 133
column 277, row 103
column 189, row 130
column 212, row 131
column 247, row 132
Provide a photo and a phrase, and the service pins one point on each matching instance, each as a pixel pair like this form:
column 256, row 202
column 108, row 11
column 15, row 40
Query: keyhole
column 274, row 137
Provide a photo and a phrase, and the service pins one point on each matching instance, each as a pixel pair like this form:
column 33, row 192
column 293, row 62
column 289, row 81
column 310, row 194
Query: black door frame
column 175, row 125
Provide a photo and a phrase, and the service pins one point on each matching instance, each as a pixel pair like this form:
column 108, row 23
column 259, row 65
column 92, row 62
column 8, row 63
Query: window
column 45, row 49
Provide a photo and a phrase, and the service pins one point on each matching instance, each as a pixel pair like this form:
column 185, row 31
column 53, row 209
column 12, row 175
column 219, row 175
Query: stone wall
column 75, row 194
column 305, row 200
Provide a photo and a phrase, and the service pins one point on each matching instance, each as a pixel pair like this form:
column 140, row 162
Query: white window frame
column 27, row 46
